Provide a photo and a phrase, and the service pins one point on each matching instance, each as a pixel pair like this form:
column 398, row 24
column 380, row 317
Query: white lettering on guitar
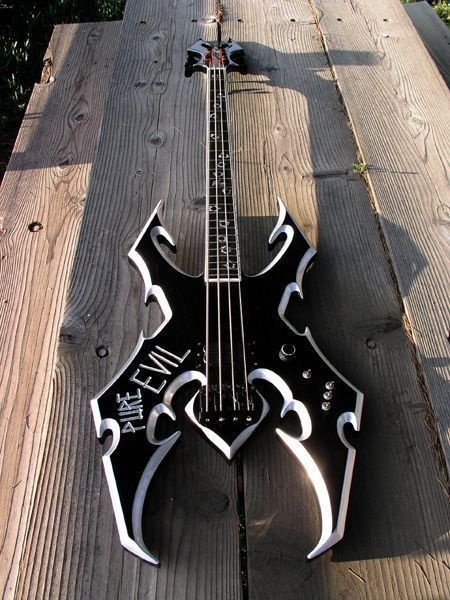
column 163, row 362
column 130, row 409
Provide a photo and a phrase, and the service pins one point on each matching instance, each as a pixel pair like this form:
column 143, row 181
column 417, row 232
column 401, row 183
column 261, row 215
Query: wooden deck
column 118, row 128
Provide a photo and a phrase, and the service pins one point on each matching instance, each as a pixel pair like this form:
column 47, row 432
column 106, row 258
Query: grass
column 440, row 7
column 25, row 30
column 360, row 167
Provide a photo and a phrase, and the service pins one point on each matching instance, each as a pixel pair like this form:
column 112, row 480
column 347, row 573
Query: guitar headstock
column 203, row 56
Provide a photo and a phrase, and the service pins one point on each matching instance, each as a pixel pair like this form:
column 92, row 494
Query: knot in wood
column 101, row 351
column 443, row 215
column 35, row 226
column 157, row 139
column 158, row 87
column 64, row 162
column 197, row 202
column 371, row 343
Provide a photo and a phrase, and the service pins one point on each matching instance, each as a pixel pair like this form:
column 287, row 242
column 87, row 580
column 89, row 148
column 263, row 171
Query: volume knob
column 287, row 352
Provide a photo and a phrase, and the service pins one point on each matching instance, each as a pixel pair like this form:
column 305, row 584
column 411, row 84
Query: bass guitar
column 225, row 337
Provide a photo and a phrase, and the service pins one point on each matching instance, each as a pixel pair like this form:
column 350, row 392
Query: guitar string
column 223, row 101
column 238, row 258
column 219, row 332
column 227, row 241
column 207, row 240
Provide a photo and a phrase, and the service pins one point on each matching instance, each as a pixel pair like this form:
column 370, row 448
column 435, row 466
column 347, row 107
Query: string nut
column 307, row 374
column 326, row 406
column 328, row 395
column 329, row 385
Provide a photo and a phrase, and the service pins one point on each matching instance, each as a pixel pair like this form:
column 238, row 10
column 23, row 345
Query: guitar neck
column 222, row 260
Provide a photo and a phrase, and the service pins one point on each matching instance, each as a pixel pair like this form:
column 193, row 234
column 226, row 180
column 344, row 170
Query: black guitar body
column 201, row 332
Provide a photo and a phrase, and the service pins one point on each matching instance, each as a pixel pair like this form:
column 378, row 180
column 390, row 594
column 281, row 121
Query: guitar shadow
column 351, row 306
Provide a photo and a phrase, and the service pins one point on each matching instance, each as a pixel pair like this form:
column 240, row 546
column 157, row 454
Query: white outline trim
column 329, row 536
column 127, row 542
column 290, row 233
column 320, row 489
column 100, row 426
column 227, row 451
column 142, row 488
column 137, row 259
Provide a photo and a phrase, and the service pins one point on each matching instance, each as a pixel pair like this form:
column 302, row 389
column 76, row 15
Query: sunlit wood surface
column 333, row 87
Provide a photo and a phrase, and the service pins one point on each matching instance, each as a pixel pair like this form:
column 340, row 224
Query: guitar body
column 282, row 364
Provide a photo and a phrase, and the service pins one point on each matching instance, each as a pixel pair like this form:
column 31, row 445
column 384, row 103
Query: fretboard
column 222, row 261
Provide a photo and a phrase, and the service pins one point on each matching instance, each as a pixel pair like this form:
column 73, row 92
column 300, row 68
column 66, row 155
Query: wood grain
column 294, row 141
column 404, row 139
column 151, row 148
column 434, row 33
column 45, row 183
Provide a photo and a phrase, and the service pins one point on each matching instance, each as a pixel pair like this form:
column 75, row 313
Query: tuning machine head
column 203, row 55
column 235, row 57
column 198, row 58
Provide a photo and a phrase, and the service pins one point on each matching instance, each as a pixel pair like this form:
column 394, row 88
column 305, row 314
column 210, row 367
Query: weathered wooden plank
column 293, row 140
column 45, row 183
column 151, row 148
column 434, row 34
column 404, row 139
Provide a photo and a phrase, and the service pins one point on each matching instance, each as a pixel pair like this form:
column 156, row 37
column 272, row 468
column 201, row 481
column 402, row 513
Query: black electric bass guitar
column 227, row 338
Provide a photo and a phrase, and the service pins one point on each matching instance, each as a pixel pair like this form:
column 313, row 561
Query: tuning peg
column 196, row 57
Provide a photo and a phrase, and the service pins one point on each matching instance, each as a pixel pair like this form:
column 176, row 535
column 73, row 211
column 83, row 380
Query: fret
column 227, row 228
column 232, row 249
column 214, row 239
column 223, row 269
column 221, row 236
column 224, row 277
column 219, row 211
column 224, row 280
